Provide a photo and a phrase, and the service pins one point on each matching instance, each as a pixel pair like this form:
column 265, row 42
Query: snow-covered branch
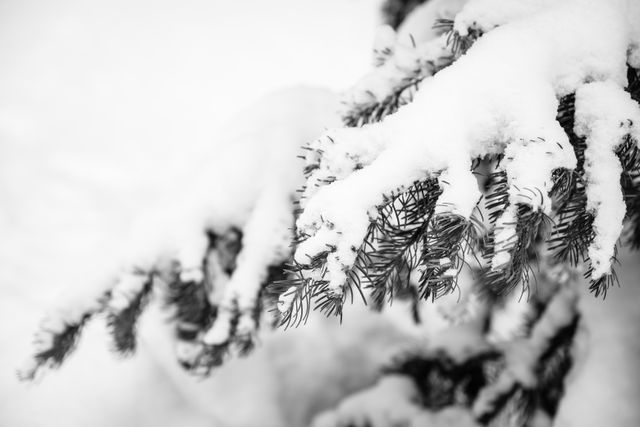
column 499, row 100
column 209, row 251
column 403, row 59
column 466, row 376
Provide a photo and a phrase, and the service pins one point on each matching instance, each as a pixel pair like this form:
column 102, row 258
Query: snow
column 485, row 15
column 505, row 237
column 129, row 286
column 605, row 114
column 419, row 25
column 402, row 59
column 460, row 342
column 390, row 402
column 452, row 416
column 452, row 199
column 523, row 356
column 511, row 320
column 383, row 41
column 257, row 165
column 267, row 181
column 220, row 332
column 406, row 63
column 286, row 299
column 261, row 173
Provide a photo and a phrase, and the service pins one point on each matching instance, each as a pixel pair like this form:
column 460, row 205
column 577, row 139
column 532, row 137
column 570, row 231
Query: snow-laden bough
column 209, row 251
column 499, row 100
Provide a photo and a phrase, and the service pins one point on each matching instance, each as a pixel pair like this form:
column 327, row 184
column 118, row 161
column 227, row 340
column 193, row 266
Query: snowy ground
column 102, row 108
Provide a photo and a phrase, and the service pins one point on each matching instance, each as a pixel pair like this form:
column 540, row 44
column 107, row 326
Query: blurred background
column 102, row 106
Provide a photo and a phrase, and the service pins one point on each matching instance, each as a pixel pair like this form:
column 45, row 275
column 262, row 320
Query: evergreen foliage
column 122, row 324
column 415, row 247
column 389, row 252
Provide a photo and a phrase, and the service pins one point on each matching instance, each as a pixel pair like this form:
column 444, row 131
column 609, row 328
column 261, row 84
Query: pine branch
column 633, row 87
column 122, row 321
column 54, row 353
column 565, row 181
column 187, row 296
column 213, row 355
column 383, row 262
column 507, row 383
column 209, row 331
column 630, row 159
column 443, row 381
column 400, row 229
column 502, row 279
column 301, row 289
column 551, row 337
column 631, row 188
column 601, row 285
column 392, row 84
column 191, row 308
column 554, row 367
column 442, row 257
column 360, row 115
column 58, row 337
column 294, row 295
column 376, row 107
column 573, row 231
column 497, row 195
column 457, row 43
